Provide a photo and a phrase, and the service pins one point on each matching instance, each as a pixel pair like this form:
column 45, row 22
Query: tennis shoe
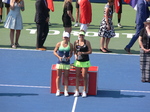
column 76, row 94
column 66, row 93
column 76, row 24
column 58, row 93
column 1, row 21
column 84, row 94
column 119, row 25
column 13, row 46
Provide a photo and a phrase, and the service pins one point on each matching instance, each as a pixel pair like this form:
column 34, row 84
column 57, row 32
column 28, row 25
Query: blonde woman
column 63, row 51
column 67, row 16
column 14, row 21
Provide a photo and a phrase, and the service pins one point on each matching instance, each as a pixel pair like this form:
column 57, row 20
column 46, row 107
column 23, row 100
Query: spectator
column 106, row 30
column 85, row 14
column 144, row 42
column 142, row 14
column 14, row 21
column 67, row 16
column 42, row 20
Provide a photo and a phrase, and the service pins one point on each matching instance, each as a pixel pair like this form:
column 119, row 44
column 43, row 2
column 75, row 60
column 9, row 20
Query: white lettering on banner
column 32, row 31
column 88, row 34
column 117, row 35
column 129, row 35
column 54, row 32
column 91, row 34
column 75, row 33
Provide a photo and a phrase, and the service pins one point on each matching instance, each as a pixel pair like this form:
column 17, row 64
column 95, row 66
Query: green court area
column 28, row 34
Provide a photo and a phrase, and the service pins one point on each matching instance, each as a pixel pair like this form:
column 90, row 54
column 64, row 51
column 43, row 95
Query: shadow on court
column 17, row 94
column 115, row 94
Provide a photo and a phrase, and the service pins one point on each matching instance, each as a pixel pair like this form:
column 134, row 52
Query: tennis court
column 25, row 84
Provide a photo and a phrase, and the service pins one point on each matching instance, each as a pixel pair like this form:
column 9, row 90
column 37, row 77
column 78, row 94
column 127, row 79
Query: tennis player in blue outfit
column 63, row 51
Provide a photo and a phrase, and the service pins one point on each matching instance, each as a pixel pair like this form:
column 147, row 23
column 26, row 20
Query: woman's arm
column 71, row 51
column 22, row 5
column 70, row 15
column 55, row 50
column 106, row 17
column 141, row 45
column 75, row 50
column 12, row 3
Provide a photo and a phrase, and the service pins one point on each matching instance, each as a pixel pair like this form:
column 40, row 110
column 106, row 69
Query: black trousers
column 42, row 31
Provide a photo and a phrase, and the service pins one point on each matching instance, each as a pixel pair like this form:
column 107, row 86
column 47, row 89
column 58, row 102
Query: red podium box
column 92, row 81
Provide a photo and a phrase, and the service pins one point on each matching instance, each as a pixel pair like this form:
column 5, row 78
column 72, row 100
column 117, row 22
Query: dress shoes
column 104, row 51
column 145, row 81
column 44, row 47
column 127, row 50
column 107, row 50
column 41, row 49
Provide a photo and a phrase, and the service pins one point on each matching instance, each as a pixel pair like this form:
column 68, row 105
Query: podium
column 92, row 81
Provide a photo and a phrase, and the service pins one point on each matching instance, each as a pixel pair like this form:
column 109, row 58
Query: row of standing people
column 117, row 10
column 14, row 23
column 84, row 11
column 85, row 19
column 106, row 30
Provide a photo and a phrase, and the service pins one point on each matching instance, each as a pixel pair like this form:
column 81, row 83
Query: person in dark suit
column 141, row 15
column 42, row 20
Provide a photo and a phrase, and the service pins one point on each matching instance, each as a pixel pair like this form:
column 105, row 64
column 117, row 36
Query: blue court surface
column 25, row 77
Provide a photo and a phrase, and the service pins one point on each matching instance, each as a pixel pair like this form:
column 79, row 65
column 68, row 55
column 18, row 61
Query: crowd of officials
column 81, row 47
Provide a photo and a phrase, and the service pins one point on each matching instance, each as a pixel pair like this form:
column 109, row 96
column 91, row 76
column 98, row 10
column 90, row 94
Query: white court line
column 131, row 91
column 52, row 51
column 74, row 104
column 134, row 91
column 76, row 98
column 7, row 85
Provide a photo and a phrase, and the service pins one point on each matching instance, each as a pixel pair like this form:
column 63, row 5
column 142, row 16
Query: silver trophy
column 64, row 57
